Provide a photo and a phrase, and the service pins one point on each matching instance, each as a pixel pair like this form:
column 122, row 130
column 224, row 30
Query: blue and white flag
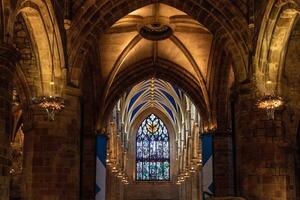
column 207, row 163
column 101, row 142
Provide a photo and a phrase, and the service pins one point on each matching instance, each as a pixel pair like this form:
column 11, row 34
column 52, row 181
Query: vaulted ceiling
column 189, row 46
column 158, row 94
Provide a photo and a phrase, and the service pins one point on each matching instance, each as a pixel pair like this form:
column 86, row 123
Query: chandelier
column 52, row 104
column 270, row 102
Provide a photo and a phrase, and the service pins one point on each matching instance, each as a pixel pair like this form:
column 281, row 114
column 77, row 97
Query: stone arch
column 289, row 80
column 222, row 78
column 287, row 85
column 272, row 42
column 164, row 70
column 176, row 41
column 218, row 80
column 221, row 90
column 27, row 67
column 126, row 114
column 24, row 93
column 223, row 21
column 45, row 38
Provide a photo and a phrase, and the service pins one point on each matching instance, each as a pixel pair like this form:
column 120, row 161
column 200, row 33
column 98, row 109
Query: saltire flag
column 101, row 143
column 207, row 164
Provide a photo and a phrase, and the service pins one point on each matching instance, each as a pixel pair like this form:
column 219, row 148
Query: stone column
column 223, row 164
column 185, row 186
column 196, row 185
column 8, row 58
column 88, row 168
column 109, row 182
column 262, row 159
column 52, row 152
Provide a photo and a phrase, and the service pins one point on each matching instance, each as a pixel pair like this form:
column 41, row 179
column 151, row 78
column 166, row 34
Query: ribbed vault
column 226, row 22
column 187, row 50
column 156, row 94
column 164, row 70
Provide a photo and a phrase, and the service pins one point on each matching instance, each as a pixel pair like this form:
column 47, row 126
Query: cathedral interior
column 149, row 100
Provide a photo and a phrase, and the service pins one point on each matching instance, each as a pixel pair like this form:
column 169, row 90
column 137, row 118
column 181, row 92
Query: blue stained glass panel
column 152, row 151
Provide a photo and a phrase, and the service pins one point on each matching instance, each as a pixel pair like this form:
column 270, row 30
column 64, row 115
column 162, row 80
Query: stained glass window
column 152, row 151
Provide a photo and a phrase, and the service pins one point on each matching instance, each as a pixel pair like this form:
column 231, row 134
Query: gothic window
column 152, row 151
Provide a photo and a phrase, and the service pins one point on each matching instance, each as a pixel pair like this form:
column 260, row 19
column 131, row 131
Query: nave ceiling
column 189, row 45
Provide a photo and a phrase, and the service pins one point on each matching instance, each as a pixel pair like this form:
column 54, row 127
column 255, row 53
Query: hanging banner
column 101, row 143
column 207, row 164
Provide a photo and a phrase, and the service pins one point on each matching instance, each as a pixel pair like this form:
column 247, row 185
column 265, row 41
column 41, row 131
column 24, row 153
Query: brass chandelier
column 51, row 104
column 270, row 102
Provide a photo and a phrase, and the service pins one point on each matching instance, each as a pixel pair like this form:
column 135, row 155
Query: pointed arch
column 152, row 150
column 96, row 19
column 276, row 27
column 164, row 70
column 46, row 40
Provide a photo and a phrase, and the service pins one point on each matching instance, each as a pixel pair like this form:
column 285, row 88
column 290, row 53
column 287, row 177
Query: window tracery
column 152, row 151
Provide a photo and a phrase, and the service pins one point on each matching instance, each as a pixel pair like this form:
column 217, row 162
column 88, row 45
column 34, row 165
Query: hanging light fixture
column 52, row 104
column 270, row 102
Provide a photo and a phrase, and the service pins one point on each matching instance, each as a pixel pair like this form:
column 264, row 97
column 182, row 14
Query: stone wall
column 290, row 86
column 223, row 164
column 52, row 153
column 264, row 165
column 259, row 11
column 88, row 166
column 8, row 57
column 88, row 136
